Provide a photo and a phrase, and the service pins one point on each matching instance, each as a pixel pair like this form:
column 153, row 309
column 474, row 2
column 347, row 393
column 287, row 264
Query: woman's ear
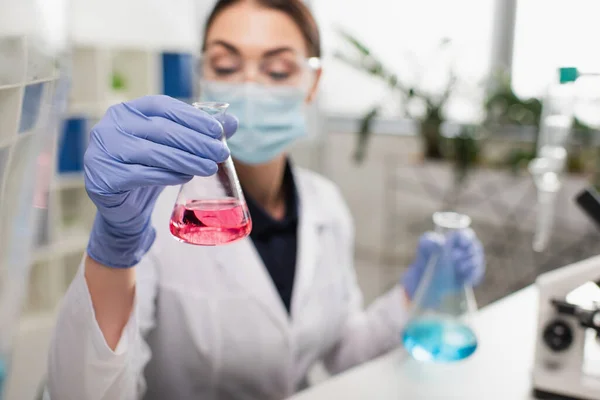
column 313, row 90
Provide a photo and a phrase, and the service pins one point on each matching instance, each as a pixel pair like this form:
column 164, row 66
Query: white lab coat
column 209, row 323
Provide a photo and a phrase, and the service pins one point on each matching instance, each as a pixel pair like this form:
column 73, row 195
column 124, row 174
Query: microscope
column 569, row 324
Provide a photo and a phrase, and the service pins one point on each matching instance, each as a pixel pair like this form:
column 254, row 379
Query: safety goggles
column 281, row 69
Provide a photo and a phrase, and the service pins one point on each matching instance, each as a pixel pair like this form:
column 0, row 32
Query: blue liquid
column 438, row 340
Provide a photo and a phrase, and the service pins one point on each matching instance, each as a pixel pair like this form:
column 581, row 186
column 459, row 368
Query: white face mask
column 270, row 118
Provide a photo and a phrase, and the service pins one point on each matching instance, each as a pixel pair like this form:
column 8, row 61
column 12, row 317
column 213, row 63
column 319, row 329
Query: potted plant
column 118, row 87
column 429, row 107
column 505, row 110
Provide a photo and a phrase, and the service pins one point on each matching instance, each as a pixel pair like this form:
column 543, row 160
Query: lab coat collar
column 243, row 263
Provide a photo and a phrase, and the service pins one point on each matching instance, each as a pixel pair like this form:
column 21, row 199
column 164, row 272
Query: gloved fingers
column 230, row 124
column 467, row 251
column 473, row 249
column 473, row 273
column 429, row 243
column 463, row 238
column 465, row 269
column 168, row 133
column 135, row 176
column 176, row 111
column 470, row 264
column 167, row 158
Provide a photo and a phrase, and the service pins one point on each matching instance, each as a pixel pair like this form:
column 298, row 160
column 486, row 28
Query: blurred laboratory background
column 424, row 105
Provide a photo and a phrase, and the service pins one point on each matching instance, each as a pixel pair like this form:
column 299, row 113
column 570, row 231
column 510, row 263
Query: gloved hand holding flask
column 449, row 262
column 137, row 149
column 466, row 253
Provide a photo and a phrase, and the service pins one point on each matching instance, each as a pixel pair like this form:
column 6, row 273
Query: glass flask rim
column 218, row 106
column 451, row 220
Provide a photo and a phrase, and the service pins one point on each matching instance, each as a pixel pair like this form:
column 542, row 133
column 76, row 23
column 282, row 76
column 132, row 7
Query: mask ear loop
column 312, row 67
column 311, row 110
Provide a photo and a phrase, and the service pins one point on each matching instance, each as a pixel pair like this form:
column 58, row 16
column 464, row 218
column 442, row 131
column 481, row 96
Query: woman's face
column 249, row 43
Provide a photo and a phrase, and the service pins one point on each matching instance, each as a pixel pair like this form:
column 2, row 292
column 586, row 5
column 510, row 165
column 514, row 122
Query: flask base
column 439, row 339
column 210, row 222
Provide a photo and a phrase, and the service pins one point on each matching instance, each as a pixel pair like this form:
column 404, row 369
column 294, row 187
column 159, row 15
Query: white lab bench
column 500, row 369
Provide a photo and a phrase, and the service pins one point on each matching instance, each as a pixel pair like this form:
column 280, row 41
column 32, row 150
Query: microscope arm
column 558, row 283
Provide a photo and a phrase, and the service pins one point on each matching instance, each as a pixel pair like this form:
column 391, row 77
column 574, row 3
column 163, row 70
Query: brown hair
column 295, row 9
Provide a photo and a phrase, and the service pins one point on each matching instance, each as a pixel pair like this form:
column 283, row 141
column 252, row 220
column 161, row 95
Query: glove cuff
column 115, row 249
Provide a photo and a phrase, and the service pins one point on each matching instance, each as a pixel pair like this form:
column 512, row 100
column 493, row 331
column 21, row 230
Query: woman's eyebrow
column 278, row 50
column 223, row 43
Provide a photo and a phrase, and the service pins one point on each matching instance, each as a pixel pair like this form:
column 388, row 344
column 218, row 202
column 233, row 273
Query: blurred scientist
column 150, row 317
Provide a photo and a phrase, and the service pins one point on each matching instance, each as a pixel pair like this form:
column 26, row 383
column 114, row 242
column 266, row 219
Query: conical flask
column 438, row 329
column 212, row 211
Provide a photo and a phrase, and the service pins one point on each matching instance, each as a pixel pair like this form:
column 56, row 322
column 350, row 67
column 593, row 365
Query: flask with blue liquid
column 438, row 329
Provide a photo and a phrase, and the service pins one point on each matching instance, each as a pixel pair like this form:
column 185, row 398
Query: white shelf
column 45, row 287
column 71, row 266
column 42, row 80
column 30, row 322
column 40, row 67
column 93, row 70
column 30, row 355
column 89, row 109
column 12, row 53
column 68, row 181
column 4, row 159
column 22, row 136
column 90, row 75
column 70, row 244
column 139, row 69
column 11, row 86
column 19, row 159
column 10, row 112
column 17, row 162
column 76, row 212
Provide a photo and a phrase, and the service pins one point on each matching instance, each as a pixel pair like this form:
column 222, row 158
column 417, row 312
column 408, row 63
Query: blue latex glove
column 137, row 149
column 465, row 252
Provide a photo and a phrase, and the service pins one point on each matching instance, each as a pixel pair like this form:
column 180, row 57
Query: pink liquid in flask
column 210, row 222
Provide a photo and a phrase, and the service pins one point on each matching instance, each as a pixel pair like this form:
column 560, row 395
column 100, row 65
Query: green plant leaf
column 445, row 42
column 518, row 158
column 358, row 45
column 363, row 60
column 368, row 65
column 466, row 151
column 596, row 174
column 118, row 81
column 364, row 134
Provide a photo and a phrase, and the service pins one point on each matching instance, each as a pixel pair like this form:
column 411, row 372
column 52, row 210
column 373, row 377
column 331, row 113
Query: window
column 403, row 34
column 551, row 34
